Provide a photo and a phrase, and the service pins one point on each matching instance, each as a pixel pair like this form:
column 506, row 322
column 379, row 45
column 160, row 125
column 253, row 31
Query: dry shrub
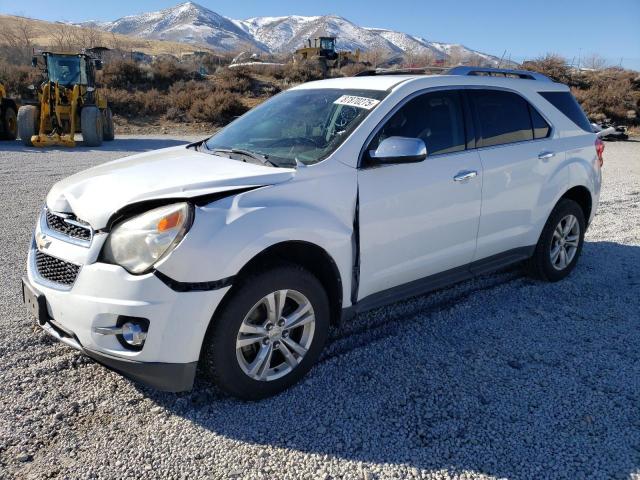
column 611, row 94
column 137, row 103
column 218, row 108
column 124, row 74
column 300, row 72
column 233, row 80
column 353, row 68
column 552, row 65
column 129, row 75
column 16, row 79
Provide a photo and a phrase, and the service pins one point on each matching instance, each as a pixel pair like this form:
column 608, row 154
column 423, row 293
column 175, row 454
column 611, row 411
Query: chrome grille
column 68, row 225
column 55, row 270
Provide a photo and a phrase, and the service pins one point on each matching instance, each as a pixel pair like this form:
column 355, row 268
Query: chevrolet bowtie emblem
column 42, row 241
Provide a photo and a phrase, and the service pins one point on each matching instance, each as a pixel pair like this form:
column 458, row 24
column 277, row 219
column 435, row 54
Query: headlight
column 138, row 243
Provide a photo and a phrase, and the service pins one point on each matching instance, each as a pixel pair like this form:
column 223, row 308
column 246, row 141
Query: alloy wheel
column 564, row 242
column 275, row 335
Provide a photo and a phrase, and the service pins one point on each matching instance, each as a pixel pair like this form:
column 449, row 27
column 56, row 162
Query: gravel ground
column 501, row 376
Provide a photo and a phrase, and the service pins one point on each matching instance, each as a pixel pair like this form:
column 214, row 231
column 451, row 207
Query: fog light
column 133, row 334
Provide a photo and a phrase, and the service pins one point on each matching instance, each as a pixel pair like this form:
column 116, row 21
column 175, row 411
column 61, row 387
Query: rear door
column 416, row 220
column 517, row 157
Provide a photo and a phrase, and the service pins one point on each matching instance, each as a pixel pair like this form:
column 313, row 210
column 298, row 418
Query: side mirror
column 399, row 150
column 98, row 64
column 34, row 62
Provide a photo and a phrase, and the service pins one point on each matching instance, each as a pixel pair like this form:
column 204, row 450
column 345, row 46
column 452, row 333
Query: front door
column 420, row 219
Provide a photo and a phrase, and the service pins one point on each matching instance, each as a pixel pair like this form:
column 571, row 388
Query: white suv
column 236, row 254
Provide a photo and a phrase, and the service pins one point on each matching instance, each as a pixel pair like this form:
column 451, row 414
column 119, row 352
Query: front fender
column 228, row 233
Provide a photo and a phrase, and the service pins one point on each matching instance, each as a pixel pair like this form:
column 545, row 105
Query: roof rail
column 401, row 71
column 498, row 72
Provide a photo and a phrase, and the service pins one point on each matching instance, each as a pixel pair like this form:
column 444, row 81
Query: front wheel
column 269, row 333
column 560, row 243
column 28, row 119
column 107, row 125
column 91, row 126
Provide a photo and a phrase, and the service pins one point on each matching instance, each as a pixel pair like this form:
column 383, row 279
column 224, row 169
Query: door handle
column 465, row 175
column 546, row 155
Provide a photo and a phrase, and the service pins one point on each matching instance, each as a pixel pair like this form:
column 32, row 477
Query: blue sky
column 525, row 29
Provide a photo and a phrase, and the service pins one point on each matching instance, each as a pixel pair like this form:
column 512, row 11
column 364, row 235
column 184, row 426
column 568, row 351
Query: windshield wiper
column 263, row 159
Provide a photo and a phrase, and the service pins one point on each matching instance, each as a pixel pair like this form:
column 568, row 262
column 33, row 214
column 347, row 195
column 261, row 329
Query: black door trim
column 439, row 280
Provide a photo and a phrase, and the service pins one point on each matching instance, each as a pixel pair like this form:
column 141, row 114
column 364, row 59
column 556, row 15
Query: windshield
column 303, row 125
column 327, row 44
column 64, row 70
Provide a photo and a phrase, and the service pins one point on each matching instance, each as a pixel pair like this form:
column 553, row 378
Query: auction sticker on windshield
column 360, row 102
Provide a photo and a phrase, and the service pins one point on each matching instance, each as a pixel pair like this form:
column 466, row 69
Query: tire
column 28, row 119
column 108, row 130
column 9, row 124
column 228, row 364
column 91, row 126
column 547, row 261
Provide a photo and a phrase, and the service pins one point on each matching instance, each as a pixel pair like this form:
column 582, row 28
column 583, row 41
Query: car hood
column 94, row 195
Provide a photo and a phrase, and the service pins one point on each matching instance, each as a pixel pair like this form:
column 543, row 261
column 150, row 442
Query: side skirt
column 438, row 281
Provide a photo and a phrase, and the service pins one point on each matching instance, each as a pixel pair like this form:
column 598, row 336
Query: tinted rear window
column 568, row 105
column 502, row 117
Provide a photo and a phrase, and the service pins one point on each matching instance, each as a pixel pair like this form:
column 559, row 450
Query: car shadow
column 501, row 375
column 122, row 144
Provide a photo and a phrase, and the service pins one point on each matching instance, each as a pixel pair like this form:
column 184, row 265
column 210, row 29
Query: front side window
column 299, row 125
column 502, row 117
column 436, row 118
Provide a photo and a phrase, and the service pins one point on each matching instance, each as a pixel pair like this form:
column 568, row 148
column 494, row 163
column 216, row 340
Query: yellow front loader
column 323, row 51
column 65, row 103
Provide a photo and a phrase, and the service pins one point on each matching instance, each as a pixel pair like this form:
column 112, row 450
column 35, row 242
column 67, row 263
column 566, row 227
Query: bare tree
column 594, row 62
column 87, row 37
column 19, row 39
column 63, row 37
column 455, row 55
column 375, row 56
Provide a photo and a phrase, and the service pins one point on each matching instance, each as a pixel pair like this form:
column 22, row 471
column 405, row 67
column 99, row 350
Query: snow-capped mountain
column 193, row 23
column 285, row 34
column 186, row 22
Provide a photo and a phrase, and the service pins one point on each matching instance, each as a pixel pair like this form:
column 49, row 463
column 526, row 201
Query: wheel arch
column 582, row 196
column 308, row 255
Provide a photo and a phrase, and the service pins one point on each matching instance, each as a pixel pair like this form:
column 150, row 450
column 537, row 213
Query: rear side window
column 436, row 118
column 502, row 117
column 568, row 105
column 541, row 128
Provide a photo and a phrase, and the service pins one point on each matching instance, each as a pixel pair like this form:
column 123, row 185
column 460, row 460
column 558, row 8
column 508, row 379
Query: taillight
column 600, row 150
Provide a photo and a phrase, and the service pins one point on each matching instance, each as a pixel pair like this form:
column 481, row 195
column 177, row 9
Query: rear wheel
column 91, row 126
column 28, row 119
column 560, row 243
column 9, row 124
column 269, row 333
column 108, row 130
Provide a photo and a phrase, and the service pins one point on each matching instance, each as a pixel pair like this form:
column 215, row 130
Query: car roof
column 390, row 82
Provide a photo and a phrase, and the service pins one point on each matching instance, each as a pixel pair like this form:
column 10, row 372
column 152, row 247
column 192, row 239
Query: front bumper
column 102, row 293
column 168, row 377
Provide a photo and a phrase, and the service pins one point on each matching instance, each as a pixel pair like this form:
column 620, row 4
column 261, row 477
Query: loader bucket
column 53, row 140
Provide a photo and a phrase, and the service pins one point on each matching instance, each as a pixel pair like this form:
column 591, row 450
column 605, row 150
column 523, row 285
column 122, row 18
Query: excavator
column 66, row 102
